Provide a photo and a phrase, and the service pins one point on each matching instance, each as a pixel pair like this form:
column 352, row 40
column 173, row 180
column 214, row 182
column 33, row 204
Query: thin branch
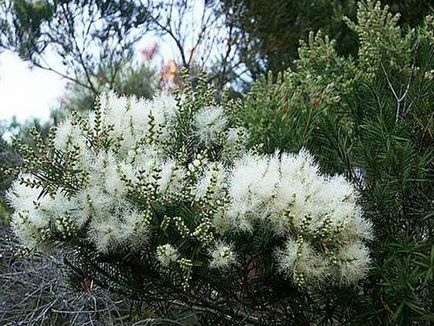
column 80, row 53
column 78, row 82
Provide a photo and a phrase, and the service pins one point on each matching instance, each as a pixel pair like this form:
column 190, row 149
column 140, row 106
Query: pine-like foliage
column 8, row 159
column 371, row 118
column 162, row 201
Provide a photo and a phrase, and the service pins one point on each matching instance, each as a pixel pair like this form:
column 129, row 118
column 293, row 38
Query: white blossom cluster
column 140, row 158
column 318, row 214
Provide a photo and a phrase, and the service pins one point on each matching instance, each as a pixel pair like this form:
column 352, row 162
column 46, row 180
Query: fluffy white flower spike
column 166, row 254
column 222, row 256
column 210, row 123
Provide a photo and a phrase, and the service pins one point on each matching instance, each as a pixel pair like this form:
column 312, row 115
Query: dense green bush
column 372, row 118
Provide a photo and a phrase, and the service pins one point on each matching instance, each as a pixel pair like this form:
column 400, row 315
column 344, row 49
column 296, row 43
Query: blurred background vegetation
column 351, row 81
column 270, row 31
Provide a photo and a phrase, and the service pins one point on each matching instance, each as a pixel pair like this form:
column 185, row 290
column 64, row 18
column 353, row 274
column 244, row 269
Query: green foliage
column 270, row 31
column 8, row 158
column 30, row 15
column 296, row 104
column 372, row 119
column 380, row 40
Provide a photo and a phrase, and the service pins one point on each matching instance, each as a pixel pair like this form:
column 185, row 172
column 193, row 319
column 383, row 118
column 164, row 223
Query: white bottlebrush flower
column 138, row 116
column 116, row 113
column 222, row 256
column 59, row 204
column 107, row 233
column 165, row 107
column 260, row 189
column 129, row 171
column 339, row 189
column 27, row 228
column 210, row 122
column 286, row 257
column 112, row 181
column 114, row 108
column 220, row 222
column 136, row 121
column 358, row 227
column 247, row 172
column 34, row 213
column 147, row 159
column 246, row 204
column 236, row 135
column 240, row 216
column 22, row 197
column 269, row 178
column 95, row 202
column 299, row 259
column 353, row 262
column 314, row 266
column 172, row 177
column 69, row 134
column 35, row 219
column 167, row 254
column 134, row 225
column 289, row 205
column 212, row 181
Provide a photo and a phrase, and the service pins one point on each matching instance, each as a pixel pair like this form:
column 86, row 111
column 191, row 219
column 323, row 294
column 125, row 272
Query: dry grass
column 35, row 290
